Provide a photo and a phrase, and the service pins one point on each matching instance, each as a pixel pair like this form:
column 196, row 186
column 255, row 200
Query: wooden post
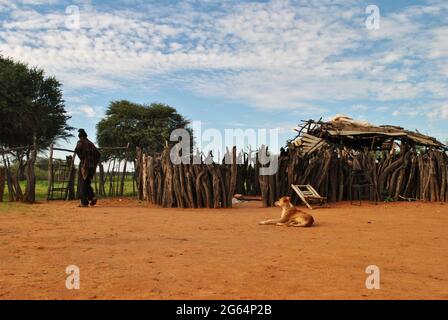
column 189, row 181
column 145, row 177
column 16, row 182
column 50, row 173
column 9, row 182
column 341, row 179
column 233, row 178
column 139, row 180
column 123, row 175
column 152, row 183
column 333, row 176
column 207, row 187
column 264, row 186
column 159, row 184
column 443, row 176
column 101, row 182
column 389, row 169
column 199, row 189
column 2, row 183
column 168, row 200
column 111, row 179
column 182, row 192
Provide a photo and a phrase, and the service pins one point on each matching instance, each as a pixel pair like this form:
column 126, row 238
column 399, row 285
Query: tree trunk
column 30, row 192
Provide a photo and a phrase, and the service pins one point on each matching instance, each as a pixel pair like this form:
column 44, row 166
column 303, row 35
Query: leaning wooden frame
column 62, row 176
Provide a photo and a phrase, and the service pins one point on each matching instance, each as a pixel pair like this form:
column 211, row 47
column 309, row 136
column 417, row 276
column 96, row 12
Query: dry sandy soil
column 128, row 250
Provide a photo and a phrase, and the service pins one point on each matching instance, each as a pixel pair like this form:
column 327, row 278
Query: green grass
column 42, row 189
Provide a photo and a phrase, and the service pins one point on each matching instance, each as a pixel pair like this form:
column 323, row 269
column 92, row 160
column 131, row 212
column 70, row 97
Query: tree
column 31, row 105
column 145, row 126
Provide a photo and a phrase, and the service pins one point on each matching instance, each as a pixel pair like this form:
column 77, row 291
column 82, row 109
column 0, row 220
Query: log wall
column 200, row 185
column 407, row 174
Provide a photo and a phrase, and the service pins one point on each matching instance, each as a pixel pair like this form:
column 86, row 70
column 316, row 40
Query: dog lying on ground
column 291, row 216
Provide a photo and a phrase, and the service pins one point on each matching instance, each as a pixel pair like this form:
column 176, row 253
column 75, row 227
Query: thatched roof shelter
column 359, row 135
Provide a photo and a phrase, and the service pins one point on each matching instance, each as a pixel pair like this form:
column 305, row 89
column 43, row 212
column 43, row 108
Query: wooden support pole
column 50, row 173
column 123, row 174
column 2, row 183
column 233, row 178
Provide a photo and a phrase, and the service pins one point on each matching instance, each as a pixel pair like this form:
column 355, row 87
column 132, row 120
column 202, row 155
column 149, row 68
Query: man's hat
column 82, row 133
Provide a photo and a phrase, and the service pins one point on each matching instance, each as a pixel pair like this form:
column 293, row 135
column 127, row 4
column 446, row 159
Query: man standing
column 89, row 157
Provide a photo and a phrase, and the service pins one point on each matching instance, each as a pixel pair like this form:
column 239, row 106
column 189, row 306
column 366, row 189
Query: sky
column 241, row 64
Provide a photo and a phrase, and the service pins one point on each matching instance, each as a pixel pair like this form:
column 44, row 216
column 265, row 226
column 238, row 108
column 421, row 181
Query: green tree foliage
column 30, row 105
column 145, row 126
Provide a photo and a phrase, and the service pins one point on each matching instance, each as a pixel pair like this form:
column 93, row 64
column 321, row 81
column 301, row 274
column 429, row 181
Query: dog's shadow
column 315, row 225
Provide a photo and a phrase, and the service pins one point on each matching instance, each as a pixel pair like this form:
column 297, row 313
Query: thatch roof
column 358, row 135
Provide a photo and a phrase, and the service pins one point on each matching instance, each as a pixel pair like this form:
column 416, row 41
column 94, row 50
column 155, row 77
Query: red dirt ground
column 128, row 250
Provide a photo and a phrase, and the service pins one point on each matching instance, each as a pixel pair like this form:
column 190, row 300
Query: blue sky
column 241, row 64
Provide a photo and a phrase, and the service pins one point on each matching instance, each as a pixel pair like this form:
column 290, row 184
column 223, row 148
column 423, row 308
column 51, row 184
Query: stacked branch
column 190, row 184
column 406, row 174
column 24, row 158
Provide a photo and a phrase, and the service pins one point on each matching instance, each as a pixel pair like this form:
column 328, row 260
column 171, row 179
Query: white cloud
column 85, row 110
column 438, row 112
column 274, row 55
column 88, row 111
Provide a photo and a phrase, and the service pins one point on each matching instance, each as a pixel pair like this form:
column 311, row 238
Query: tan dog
column 291, row 216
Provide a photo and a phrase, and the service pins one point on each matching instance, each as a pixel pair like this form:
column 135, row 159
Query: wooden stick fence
column 11, row 180
column 410, row 173
column 203, row 185
column 407, row 174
